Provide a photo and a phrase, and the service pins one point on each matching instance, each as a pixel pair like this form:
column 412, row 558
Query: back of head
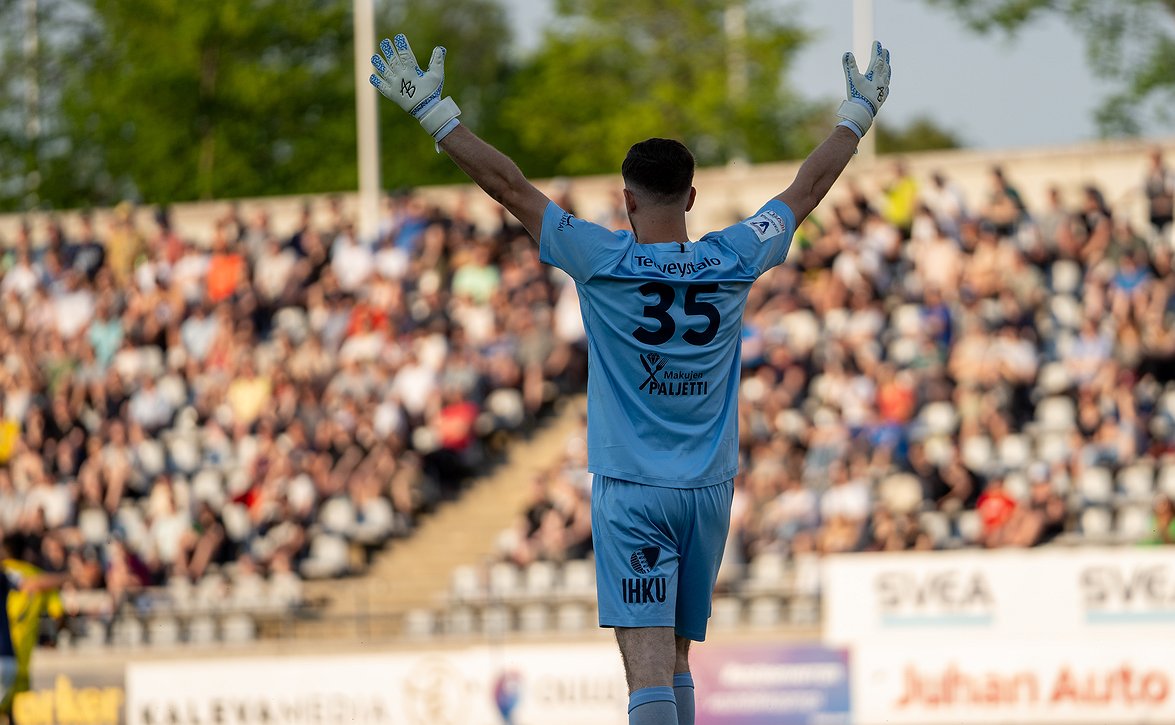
column 661, row 168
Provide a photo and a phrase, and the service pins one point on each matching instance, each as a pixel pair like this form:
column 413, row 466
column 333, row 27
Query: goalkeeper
column 663, row 315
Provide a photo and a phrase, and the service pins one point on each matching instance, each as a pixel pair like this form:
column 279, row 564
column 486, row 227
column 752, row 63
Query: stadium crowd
column 925, row 371
column 931, row 371
column 262, row 407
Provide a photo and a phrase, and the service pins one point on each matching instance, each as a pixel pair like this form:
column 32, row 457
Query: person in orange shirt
column 226, row 269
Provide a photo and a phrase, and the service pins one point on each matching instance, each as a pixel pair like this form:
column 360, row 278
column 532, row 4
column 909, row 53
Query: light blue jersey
column 663, row 324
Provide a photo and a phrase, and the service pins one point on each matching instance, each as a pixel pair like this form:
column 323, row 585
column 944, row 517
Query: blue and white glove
column 417, row 91
column 866, row 92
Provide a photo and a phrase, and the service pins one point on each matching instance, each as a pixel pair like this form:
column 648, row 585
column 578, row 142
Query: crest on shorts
column 644, row 560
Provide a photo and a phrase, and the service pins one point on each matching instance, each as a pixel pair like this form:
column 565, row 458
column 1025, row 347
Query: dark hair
column 660, row 166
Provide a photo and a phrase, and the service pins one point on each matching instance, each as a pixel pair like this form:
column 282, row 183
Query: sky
column 994, row 93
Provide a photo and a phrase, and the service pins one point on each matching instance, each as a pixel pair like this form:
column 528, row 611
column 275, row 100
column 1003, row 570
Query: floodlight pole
column 367, row 128
column 863, row 47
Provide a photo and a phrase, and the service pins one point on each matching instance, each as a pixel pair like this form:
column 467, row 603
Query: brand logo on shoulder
column 766, row 224
column 565, row 222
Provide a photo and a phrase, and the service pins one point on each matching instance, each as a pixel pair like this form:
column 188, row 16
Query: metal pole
column 367, row 128
column 32, row 99
column 863, row 47
column 735, row 22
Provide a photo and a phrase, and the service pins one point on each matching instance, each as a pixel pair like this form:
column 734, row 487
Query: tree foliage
column 183, row 100
column 920, row 134
column 612, row 72
column 477, row 70
column 1129, row 42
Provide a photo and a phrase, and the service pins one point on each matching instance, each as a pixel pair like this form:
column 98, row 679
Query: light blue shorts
column 657, row 553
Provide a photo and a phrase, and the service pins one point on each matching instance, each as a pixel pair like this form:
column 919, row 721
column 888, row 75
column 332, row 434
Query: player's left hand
column 865, row 92
column 399, row 78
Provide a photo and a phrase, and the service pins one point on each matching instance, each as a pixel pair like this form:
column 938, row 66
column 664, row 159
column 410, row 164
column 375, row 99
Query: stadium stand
column 196, row 430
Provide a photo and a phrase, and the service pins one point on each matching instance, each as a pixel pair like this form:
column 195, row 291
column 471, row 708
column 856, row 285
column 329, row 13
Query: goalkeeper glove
column 400, row 79
column 866, row 92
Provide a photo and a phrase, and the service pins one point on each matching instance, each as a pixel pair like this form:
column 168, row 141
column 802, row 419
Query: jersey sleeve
column 576, row 246
column 762, row 241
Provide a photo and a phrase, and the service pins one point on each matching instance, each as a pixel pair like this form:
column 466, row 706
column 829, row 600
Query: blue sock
column 683, row 694
column 652, row 706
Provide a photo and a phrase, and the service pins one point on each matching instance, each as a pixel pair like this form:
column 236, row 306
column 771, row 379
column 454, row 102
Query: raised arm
column 400, row 79
column 865, row 94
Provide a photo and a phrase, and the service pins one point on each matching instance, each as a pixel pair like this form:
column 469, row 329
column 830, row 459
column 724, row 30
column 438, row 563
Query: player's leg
column 649, row 657
column 636, row 588
column 683, row 682
column 701, row 556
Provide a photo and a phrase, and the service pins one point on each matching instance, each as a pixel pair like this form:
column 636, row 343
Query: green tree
column 477, row 70
column 1129, row 42
column 611, row 72
column 920, row 134
column 180, row 100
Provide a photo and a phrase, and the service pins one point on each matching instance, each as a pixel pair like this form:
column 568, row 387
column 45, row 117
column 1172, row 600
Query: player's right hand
column 399, row 78
column 865, row 93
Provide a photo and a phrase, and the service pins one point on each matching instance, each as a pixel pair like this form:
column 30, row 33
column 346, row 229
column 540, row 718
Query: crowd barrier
column 1040, row 637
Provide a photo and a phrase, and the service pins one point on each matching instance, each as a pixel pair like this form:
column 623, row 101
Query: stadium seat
column 163, row 632
column 496, row 621
column 1052, row 448
column 284, row 590
column 236, row 521
column 1053, row 378
column 459, row 622
column 1137, row 481
column 767, row 572
column 1017, row 485
column 506, row 406
column 939, row 418
column 1014, row 451
column 1166, row 479
column 328, row 557
column 578, row 579
column 901, row 493
column 181, row 595
column 977, row 453
column 571, row 617
column 94, row 526
column 1066, row 311
column 184, row 452
column 238, row 628
column 969, row 526
column 466, row 584
column 420, row 624
column 540, row 579
column 504, row 582
column 1056, row 414
column 907, row 320
column 1096, row 485
column 1096, row 523
column 376, row 521
column 337, row 516
column 201, row 630
column 208, row 486
column 534, row 618
column 726, row 613
column 151, row 457
column 1133, row 523
column 764, row 612
column 937, row 526
column 127, row 631
column 1066, row 276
